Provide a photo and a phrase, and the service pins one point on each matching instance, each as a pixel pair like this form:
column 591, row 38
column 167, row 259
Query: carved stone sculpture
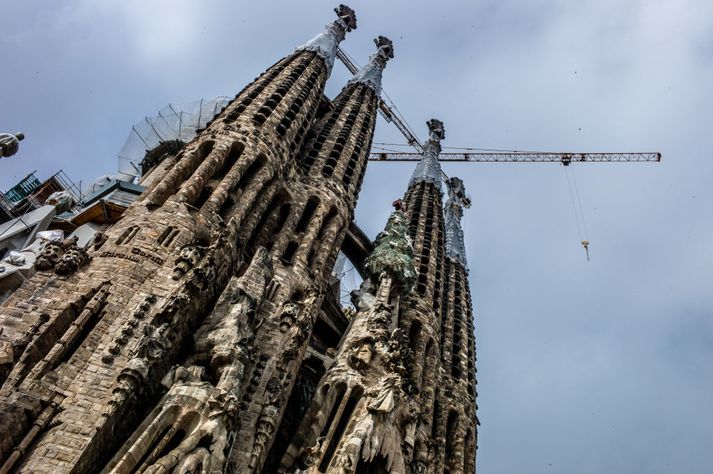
column 73, row 258
column 187, row 259
column 10, row 143
column 49, row 256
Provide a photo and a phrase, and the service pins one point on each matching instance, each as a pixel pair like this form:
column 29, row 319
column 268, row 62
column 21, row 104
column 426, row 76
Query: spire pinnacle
column 370, row 74
column 429, row 169
column 325, row 44
column 457, row 200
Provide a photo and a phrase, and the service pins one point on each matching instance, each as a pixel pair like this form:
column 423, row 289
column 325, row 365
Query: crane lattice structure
column 390, row 114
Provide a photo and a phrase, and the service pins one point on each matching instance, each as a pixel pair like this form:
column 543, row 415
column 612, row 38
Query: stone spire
column 371, row 73
column 457, row 200
column 325, row 44
column 428, row 169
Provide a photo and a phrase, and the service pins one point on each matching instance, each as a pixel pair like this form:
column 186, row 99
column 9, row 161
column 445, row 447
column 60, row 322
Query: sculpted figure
column 9, row 143
column 363, row 298
column 73, row 258
column 384, row 395
column 362, row 353
column 188, row 457
column 289, row 314
column 187, row 259
column 49, row 256
column 99, row 239
column 267, row 422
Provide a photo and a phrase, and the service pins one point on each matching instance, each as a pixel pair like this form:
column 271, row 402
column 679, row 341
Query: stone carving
column 99, row 239
column 362, row 353
column 267, row 422
column 49, row 256
column 453, row 212
column 10, row 143
column 187, row 259
column 148, row 350
column 363, row 298
column 73, row 258
column 288, row 316
column 371, row 73
column 205, row 421
column 153, row 344
column 383, row 395
column 202, row 450
column 325, row 44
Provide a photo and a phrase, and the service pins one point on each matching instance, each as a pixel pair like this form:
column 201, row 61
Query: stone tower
column 200, row 333
column 400, row 394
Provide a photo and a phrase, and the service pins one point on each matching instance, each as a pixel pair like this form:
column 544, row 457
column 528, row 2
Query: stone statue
column 211, row 433
column 49, row 256
column 362, row 353
column 187, row 259
column 363, row 298
column 73, row 258
column 9, row 143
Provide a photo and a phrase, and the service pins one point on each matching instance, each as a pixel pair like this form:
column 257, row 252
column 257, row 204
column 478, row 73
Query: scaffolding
column 174, row 125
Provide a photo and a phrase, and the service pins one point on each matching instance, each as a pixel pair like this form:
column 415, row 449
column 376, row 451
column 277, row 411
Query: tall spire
column 325, row 44
column 457, row 200
column 429, row 169
column 370, row 74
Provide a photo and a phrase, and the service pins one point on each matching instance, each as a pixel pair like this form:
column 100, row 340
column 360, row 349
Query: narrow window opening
column 307, row 214
column 167, row 236
column 339, row 430
column 289, row 253
column 127, row 235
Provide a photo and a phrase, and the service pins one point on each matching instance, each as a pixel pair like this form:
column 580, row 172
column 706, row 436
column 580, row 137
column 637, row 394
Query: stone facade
column 200, row 333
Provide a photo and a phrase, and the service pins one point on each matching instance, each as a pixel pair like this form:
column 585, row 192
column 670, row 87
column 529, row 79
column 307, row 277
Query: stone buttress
column 245, row 358
column 86, row 341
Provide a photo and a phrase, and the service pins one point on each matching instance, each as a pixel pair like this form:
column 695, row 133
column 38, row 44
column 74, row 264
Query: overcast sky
column 583, row 367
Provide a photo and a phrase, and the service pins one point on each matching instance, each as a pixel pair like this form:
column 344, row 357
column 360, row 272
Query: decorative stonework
column 326, row 43
column 370, row 74
column 429, row 169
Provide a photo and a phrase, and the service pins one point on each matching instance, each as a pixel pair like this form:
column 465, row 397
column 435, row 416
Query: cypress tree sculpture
column 392, row 257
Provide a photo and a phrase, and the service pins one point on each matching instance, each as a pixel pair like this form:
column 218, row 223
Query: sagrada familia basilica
column 202, row 332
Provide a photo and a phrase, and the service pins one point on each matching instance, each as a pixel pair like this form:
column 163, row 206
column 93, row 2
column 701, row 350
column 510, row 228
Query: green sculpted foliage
column 393, row 254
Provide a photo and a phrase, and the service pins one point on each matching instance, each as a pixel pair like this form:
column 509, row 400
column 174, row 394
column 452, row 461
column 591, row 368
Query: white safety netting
column 173, row 122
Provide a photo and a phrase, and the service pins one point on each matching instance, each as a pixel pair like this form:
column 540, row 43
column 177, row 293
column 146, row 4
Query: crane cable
column 578, row 209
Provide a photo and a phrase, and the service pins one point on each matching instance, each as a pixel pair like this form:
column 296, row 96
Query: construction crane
column 391, row 115
column 565, row 158
column 524, row 157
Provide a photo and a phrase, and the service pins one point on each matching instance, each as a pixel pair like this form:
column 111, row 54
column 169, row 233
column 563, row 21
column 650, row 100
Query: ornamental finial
column 325, row 44
column 347, row 15
column 370, row 74
column 10, row 143
column 436, row 131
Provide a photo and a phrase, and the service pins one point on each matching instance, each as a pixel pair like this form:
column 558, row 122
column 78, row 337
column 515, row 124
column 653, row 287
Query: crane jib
column 526, row 157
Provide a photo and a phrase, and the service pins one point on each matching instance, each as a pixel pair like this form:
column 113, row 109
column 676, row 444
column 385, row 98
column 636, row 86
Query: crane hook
column 585, row 244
